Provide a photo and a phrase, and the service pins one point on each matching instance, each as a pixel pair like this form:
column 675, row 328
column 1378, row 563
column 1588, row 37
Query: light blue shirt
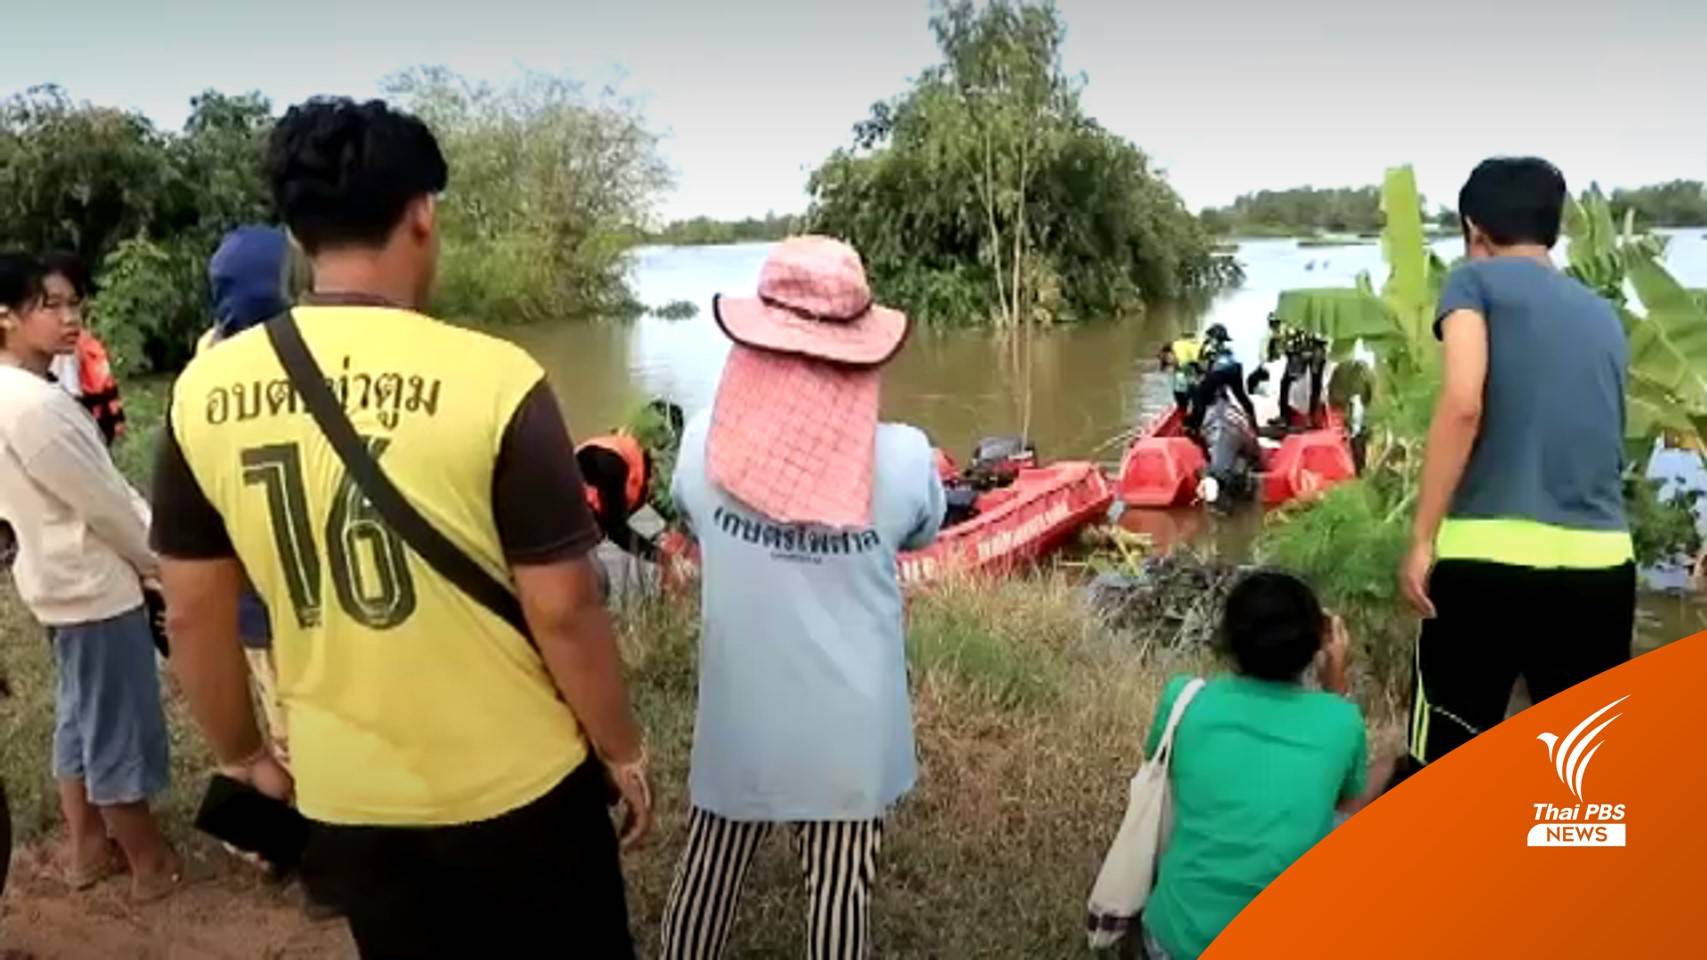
column 803, row 708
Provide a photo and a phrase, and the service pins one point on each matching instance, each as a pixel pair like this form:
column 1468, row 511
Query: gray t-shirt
column 803, row 709
column 1550, row 447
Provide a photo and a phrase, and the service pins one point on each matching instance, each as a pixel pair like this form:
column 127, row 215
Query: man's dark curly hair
column 342, row 172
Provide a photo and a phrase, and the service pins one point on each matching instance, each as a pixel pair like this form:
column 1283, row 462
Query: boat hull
column 1037, row 514
column 1162, row 467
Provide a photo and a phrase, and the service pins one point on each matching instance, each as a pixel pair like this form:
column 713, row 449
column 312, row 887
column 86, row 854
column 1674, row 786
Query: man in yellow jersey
column 1521, row 512
column 457, row 777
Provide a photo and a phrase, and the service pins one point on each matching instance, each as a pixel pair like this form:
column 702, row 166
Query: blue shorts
column 109, row 730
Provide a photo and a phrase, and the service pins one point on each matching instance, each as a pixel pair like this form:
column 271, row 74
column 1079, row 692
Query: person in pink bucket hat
column 801, row 502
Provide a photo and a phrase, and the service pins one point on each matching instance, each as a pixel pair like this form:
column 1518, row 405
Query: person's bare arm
column 201, row 618
column 575, row 637
column 1451, row 437
column 565, row 612
column 1380, row 774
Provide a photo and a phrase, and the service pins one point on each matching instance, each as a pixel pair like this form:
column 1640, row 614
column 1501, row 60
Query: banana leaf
column 1409, row 291
column 1653, row 412
column 1338, row 314
column 1669, row 345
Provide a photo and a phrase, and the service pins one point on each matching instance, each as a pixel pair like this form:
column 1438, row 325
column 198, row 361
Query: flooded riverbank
column 1090, row 382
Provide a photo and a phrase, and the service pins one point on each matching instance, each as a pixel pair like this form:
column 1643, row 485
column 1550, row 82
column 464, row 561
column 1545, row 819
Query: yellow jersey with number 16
column 408, row 702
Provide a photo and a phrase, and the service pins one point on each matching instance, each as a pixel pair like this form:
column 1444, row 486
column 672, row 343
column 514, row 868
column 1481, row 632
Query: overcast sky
column 1227, row 95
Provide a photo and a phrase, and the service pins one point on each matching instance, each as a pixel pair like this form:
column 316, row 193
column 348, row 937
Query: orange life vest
column 100, row 389
column 628, row 448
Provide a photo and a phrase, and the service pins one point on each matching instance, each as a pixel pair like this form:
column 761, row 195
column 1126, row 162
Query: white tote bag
column 1130, row 867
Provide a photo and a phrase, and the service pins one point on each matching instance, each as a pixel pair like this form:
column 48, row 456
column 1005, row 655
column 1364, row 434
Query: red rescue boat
column 1032, row 512
column 1163, row 466
column 1038, row 513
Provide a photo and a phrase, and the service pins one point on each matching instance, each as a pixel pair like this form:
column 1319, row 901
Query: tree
column 704, row 231
column 76, row 176
column 1304, row 211
column 984, row 195
column 548, row 190
column 1679, row 203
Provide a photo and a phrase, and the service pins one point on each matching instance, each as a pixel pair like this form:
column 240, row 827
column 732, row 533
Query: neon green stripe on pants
column 1528, row 543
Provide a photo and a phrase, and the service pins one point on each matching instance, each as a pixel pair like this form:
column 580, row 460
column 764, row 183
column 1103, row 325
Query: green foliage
column 1664, row 530
column 1666, row 387
column 984, row 195
column 658, row 436
column 1398, row 323
column 148, row 312
column 548, row 188
column 1348, row 549
column 1679, row 203
column 704, row 231
column 1301, row 211
column 145, row 209
column 676, row 310
column 76, row 176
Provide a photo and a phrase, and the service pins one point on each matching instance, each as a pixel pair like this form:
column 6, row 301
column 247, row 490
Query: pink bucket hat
column 794, row 427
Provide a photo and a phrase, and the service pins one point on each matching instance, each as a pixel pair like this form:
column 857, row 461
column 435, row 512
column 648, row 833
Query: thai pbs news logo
column 1582, row 824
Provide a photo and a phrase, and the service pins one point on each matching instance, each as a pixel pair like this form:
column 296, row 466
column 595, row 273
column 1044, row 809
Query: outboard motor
column 962, row 505
column 1234, row 455
column 996, row 461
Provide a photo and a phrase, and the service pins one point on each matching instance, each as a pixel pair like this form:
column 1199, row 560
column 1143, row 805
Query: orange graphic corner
column 1574, row 829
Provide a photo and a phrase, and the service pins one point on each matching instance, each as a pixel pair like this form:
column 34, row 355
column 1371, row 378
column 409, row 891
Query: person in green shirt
column 1261, row 764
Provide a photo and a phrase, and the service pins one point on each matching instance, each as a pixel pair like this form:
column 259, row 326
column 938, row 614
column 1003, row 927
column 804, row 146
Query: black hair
column 70, row 266
column 20, row 280
column 1514, row 200
column 1272, row 625
column 342, row 172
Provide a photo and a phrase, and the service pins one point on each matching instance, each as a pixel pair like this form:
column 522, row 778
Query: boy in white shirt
column 82, row 536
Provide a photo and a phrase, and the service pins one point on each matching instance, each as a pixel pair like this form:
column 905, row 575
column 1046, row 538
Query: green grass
column 145, row 413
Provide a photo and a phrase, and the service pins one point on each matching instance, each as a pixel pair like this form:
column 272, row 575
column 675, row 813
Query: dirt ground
column 229, row 916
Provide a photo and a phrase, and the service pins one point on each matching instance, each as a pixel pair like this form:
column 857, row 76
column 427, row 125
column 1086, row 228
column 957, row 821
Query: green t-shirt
column 1258, row 770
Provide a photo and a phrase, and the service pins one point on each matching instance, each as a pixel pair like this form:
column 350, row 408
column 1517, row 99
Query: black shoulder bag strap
column 445, row 557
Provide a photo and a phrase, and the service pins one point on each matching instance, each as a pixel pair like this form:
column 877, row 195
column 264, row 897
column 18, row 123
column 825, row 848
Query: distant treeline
column 1680, row 203
column 704, row 231
column 1309, row 211
column 1306, row 211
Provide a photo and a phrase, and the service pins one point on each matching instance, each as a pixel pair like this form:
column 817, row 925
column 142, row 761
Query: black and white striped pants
column 839, row 859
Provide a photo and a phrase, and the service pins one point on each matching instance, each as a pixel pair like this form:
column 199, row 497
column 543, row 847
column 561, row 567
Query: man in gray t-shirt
column 1521, row 562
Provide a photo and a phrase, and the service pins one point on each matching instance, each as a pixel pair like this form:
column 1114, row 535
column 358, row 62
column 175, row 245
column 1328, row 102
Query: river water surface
column 1090, row 382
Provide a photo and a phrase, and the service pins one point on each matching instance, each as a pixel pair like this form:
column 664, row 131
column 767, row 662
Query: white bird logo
column 1571, row 756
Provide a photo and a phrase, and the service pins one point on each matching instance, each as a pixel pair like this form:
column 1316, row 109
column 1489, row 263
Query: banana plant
column 1666, row 381
column 1397, row 323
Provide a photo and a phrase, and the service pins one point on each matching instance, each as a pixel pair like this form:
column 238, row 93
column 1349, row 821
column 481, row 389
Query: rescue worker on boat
column 1222, row 375
column 1180, row 357
column 1306, row 356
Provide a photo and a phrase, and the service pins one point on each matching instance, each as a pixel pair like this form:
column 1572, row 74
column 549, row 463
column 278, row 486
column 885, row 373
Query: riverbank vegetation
column 1679, row 203
column 1310, row 212
column 984, row 195
column 704, row 231
column 548, row 184
column 550, row 187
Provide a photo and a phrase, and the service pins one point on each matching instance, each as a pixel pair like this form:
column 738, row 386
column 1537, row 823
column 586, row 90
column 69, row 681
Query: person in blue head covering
column 250, row 278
